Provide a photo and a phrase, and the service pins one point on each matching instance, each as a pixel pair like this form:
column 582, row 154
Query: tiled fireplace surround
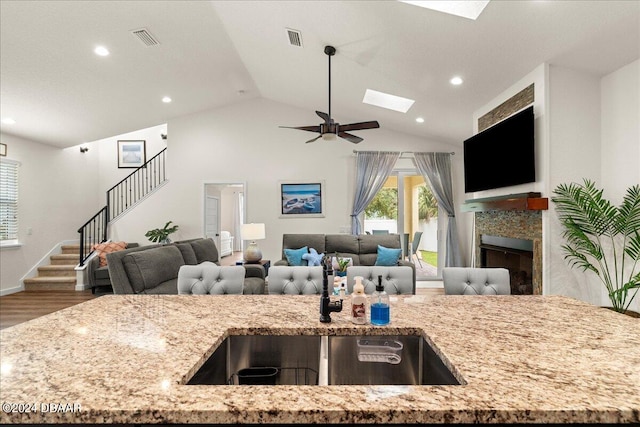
column 519, row 224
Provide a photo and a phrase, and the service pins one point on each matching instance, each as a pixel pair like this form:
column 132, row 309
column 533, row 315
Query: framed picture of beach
column 302, row 199
column 131, row 154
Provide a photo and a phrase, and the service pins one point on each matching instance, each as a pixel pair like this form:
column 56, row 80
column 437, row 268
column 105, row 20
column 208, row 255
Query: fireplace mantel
column 511, row 202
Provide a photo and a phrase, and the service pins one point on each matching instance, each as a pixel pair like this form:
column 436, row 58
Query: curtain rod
column 408, row 152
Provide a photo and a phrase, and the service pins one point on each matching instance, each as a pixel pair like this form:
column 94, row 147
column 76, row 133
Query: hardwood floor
column 26, row 305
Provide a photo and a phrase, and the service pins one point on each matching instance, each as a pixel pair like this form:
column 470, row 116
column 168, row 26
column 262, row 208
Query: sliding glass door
column 405, row 205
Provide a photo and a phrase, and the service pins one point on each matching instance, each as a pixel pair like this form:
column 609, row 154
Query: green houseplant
column 342, row 264
column 602, row 238
column 161, row 235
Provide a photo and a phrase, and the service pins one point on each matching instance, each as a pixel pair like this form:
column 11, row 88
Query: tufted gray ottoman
column 295, row 280
column 209, row 278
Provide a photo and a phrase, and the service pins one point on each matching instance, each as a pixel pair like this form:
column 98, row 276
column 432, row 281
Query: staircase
column 60, row 275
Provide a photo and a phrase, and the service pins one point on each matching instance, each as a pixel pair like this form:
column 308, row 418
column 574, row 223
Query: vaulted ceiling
column 212, row 54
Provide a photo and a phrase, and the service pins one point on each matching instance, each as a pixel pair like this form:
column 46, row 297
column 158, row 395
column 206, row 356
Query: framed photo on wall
column 131, row 154
column 302, row 199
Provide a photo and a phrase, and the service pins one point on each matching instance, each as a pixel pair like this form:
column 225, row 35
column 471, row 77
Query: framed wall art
column 131, row 154
column 3, row 150
column 302, row 199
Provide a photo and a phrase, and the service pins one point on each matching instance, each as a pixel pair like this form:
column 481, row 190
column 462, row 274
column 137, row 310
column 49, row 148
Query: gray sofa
column 153, row 269
column 99, row 276
column 362, row 249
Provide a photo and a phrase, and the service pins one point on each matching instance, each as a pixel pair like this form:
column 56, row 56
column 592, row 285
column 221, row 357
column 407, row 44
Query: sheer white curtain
column 238, row 198
column 436, row 170
column 372, row 170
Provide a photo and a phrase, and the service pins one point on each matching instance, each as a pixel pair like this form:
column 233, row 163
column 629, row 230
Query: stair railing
column 139, row 184
column 92, row 232
column 121, row 197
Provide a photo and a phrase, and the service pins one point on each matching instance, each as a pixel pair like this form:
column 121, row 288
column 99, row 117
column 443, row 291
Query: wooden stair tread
column 50, row 279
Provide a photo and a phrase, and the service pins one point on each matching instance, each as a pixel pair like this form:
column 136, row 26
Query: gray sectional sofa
column 153, row 269
column 362, row 249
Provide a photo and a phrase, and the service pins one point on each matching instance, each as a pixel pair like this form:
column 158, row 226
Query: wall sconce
column 84, row 149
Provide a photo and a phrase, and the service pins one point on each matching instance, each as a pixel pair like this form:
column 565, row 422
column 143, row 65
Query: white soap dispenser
column 359, row 303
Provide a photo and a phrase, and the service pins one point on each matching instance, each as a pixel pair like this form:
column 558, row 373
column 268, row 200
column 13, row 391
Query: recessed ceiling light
column 385, row 100
column 469, row 9
column 8, row 121
column 420, row 120
column 457, row 81
column 101, row 51
column 166, row 100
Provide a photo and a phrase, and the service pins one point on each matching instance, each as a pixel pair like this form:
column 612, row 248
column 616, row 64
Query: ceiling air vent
column 145, row 37
column 295, row 37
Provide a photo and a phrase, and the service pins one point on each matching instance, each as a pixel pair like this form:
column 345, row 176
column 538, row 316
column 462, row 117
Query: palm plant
column 427, row 204
column 602, row 238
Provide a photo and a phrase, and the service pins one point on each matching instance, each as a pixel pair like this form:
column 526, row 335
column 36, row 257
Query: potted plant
column 602, row 238
column 342, row 264
column 161, row 235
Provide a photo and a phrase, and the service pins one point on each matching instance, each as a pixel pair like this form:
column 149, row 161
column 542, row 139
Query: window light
column 385, row 100
column 469, row 9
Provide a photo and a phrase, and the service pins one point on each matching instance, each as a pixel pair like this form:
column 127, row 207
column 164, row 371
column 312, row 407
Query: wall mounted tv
column 502, row 155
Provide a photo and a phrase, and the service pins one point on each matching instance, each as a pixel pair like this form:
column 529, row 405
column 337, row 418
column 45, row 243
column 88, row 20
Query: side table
column 265, row 263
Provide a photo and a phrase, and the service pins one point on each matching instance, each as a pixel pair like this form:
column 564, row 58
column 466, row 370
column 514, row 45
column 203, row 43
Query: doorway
column 406, row 205
column 223, row 216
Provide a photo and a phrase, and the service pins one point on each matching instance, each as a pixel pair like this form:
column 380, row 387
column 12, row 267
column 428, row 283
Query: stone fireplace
column 499, row 229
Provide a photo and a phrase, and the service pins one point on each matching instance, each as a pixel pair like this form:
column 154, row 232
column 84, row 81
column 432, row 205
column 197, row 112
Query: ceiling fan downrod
column 330, row 51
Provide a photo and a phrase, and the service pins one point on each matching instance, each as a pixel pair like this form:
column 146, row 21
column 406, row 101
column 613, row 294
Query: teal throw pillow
column 313, row 257
column 388, row 256
column 294, row 256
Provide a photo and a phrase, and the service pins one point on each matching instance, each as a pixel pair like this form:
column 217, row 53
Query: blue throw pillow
column 294, row 256
column 388, row 256
column 313, row 257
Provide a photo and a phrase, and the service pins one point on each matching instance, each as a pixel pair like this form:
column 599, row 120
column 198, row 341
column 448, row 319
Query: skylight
column 385, row 100
column 470, row 9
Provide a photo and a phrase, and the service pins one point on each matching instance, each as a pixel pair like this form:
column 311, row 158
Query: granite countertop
column 126, row 358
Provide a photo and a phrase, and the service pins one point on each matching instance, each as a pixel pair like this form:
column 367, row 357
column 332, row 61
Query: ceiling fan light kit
column 330, row 129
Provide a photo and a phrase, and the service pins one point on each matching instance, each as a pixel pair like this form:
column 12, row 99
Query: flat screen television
column 502, row 155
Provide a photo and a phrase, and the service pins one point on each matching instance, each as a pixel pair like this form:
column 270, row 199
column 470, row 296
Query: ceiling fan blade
column 311, row 140
column 349, row 137
column 360, row 126
column 307, row 128
column 324, row 116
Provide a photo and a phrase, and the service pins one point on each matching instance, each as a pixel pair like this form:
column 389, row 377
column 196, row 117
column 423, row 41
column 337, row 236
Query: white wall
column 109, row 173
column 574, row 154
column 242, row 143
column 586, row 127
column 620, row 130
column 57, row 195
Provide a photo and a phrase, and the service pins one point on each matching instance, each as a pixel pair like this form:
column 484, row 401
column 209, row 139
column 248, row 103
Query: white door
column 212, row 219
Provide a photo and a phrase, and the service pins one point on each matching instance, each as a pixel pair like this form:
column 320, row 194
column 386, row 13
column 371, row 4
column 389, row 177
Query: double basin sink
column 324, row 360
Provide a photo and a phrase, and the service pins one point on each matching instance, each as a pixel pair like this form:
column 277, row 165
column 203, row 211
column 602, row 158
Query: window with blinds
column 8, row 201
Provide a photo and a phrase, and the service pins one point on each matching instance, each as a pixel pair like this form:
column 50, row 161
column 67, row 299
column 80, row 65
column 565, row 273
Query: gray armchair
column 295, row 280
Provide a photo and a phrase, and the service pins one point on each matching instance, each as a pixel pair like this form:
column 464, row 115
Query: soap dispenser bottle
column 380, row 315
column 358, row 303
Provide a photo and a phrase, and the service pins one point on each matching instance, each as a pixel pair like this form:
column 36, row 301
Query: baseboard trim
column 10, row 291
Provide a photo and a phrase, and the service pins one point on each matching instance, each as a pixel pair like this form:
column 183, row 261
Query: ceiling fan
column 329, row 129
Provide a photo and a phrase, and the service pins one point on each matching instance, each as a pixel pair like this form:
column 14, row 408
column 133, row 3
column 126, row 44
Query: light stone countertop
column 126, row 358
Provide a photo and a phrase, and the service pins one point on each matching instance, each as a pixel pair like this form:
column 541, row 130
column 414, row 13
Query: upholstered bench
column 396, row 279
column 209, row 278
column 295, row 280
column 476, row 281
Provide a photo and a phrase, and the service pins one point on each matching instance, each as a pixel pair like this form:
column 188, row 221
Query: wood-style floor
column 27, row 305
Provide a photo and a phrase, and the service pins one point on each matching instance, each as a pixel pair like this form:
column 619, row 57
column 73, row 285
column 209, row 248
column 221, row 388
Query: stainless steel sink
column 316, row 360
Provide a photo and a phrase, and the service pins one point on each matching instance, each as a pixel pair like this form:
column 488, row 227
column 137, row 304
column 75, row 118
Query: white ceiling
column 212, row 54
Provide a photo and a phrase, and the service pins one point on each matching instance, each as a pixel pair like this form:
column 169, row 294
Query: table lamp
column 253, row 232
